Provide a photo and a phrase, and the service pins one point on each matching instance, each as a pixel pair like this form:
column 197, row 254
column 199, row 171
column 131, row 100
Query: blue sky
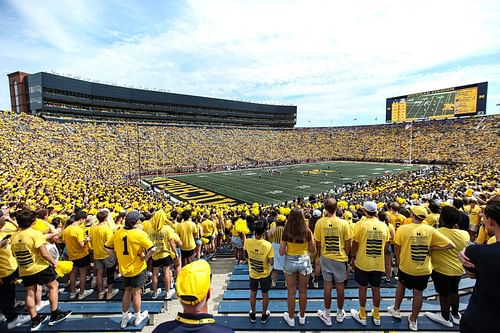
column 336, row 60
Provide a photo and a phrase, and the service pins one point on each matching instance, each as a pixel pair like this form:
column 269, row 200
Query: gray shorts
column 297, row 264
column 333, row 270
column 105, row 263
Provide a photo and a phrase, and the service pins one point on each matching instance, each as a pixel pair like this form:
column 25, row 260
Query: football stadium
column 128, row 209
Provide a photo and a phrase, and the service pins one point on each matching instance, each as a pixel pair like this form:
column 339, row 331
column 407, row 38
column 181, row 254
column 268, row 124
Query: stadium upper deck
column 58, row 98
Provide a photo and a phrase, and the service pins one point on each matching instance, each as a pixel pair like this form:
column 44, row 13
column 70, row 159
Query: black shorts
column 163, row 262
column 363, row 277
column 42, row 278
column 413, row 282
column 137, row 281
column 445, row 285
column 82, row 262
column 265, row 284
column 187, row 254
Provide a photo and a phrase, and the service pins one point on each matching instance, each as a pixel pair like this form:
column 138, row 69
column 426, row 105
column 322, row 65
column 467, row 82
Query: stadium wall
column 57, row 97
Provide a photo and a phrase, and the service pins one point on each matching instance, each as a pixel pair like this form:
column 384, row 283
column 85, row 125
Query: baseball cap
column 316, row 213
column 281, row 218
column 370, row 206
column 419, row 211
column 132, row 217
column 193, row 282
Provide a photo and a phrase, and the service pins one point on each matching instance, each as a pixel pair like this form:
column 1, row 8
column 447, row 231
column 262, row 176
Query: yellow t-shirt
column 8, row 228
column 482, row 236
column 371, row 236
column 148, row 227
column 474, row 215
column 297, row 249
column 332, row 232
column 259, row 252
column 25, row 245
column 396, row 219
column 161, row 239
column 446, row 261
column 41, row 226
column 73, row 235
column 99, row 235
column 407, row 220
column 187, row 231
column 128, row 244
column 415, row 241
column 492, row 240
column 432, row 219
column 207, row 228
column 8, row 263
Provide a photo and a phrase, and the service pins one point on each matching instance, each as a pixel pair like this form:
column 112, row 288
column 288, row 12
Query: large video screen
column 443, row 103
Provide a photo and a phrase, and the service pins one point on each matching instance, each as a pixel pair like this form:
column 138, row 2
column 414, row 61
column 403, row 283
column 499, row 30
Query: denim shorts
column 237, row 242
column 297, row 264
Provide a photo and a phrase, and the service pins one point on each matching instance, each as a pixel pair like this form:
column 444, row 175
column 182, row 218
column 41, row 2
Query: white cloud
column 335, row 60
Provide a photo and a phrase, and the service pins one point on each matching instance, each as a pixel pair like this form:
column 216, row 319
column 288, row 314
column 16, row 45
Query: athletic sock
column 362, row 312
column 376, row 312
column 327, row 312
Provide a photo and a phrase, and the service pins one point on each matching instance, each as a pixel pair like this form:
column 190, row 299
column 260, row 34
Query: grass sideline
column 257, row 185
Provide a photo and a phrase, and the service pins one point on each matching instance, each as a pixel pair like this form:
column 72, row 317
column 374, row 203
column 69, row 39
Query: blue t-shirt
column 192, row 323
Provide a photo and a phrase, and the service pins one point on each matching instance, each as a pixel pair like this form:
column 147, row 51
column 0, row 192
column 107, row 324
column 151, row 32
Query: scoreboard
column 442, row 103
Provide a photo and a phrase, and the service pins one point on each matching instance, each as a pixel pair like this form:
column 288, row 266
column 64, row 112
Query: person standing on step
column 99, row 235
column 274, row 235
column 193, row 291
column 296, row 243
column 260, row 261
column 77, row 245
column 447, row 269
column 36, row 267
column 370, row 242
column 8, row 276
column 333, row 242
column 413, row 243
column 482, row 313
column 188, row 232
column 132, row 248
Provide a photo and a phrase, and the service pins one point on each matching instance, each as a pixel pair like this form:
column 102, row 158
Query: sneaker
column 355, row 316
column 113, row 293
column 86, row 293
column 156, row 294
column 253, row 317
column 170, row 294
column 387, row 281
column 58, row 317
column 73, row 296
column 125, row 319
column 376, row 321
column 438, row 318
column 265, row 317
column 18, row 321
column 42, row 305
column 37, row 322
column 315, row 283
column 302, row 320
column 393, row 312
column 101, row 295
column 340, row 316
column 2, row 318
column 273, row 284
column 288, row 320
column 456, row 320
column 140, row 317
column 412, row 325
column 327, row 320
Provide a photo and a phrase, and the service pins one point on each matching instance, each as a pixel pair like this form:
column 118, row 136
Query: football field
column 263, row 186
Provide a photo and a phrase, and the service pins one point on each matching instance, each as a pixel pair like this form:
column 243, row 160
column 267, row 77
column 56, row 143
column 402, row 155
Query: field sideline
column 258, row 185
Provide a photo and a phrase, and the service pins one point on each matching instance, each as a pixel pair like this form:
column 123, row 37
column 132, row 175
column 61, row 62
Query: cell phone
column 7, row 237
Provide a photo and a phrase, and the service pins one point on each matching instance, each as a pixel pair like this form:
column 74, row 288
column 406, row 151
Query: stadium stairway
column 233, row 308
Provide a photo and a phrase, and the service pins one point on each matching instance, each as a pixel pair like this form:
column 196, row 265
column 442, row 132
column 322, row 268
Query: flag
column 408, row 126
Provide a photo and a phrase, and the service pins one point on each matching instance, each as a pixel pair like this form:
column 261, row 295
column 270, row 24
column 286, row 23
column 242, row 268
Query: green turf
column 293, row 181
